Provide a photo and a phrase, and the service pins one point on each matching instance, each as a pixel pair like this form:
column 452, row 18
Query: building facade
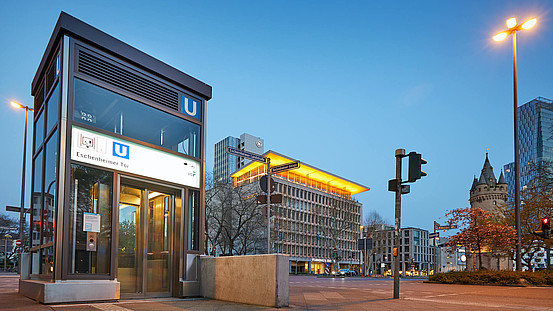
column 448, row 258
column 415, row 252
column 226, row 164
column 117, row 172
column 318, row 221
column 535, row 128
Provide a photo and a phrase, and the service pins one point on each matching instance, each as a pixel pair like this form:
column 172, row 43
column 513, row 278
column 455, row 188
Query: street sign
column 434, row 235
column 285, row 167
column 263, row 184
column 18, row 243
column 275, row 198
column 446, row 227
column 246, row 154
column 365, row 244
column 437, row 226
column 15, row 209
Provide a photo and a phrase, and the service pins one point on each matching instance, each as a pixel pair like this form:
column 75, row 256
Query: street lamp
column 22, row 210
column 513, row 27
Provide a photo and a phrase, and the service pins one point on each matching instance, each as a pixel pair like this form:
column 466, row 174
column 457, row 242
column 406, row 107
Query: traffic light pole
column 268, row 206
column 400, row 153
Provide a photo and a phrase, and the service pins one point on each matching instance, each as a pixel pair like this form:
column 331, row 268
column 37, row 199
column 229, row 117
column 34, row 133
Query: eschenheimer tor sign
column 100, row 159
column 109, row 152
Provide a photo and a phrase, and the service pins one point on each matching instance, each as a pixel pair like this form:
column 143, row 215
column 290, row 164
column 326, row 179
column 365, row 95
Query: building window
column 109, row 111
column 90, row 239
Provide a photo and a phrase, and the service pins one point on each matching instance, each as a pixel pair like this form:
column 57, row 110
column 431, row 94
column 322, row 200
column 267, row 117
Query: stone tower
column 487, row 192
column 490, row 195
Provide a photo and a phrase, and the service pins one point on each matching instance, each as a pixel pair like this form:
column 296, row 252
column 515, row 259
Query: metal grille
column 124, row 79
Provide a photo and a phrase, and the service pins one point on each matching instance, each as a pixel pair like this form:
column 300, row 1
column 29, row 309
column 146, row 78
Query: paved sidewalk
column 11, row 300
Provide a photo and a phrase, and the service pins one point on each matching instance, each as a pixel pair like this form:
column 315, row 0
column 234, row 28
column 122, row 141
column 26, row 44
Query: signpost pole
column 435, row 250
column 268, row 205
column 400, row 153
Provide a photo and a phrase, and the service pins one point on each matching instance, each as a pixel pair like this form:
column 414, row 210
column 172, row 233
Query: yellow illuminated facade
column 317, row 215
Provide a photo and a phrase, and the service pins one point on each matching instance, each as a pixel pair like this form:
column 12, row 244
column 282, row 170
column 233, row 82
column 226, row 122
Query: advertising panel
column 102, row 150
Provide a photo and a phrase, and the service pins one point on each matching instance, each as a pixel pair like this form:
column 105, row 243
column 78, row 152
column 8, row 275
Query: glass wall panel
column 50, row 186
column 39, row 130
column 193, row 219
column 100, row 108
column 52, row 108
column 90, row 220
column 47, row 260
column 36, row 201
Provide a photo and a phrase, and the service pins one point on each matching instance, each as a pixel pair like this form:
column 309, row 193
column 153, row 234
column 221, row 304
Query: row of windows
column 313, row 251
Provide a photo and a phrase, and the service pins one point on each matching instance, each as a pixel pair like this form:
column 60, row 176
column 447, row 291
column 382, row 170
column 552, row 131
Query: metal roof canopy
column 307, row 171
column 76, row 28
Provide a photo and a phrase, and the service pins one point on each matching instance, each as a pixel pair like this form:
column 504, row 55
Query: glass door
column 130, row 259
column 145, row 240
column 157, row 256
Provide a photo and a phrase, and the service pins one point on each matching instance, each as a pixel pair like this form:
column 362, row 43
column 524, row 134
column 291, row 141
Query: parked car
column 345, row 272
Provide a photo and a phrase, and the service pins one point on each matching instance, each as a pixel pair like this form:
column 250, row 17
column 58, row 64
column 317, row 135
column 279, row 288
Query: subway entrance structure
column 117, row 174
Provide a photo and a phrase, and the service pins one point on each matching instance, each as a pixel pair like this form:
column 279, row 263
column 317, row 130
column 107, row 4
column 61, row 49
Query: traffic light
column 415, row 163
column 545, row 227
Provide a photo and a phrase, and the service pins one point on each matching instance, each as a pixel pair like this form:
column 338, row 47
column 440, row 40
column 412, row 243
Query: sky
column 339, row 85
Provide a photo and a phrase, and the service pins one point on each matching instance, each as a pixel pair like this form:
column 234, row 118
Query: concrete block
column 256, row 279
column 69, row 291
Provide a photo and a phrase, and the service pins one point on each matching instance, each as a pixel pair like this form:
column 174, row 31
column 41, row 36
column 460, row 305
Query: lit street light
column 512, row 30
column 22, row 210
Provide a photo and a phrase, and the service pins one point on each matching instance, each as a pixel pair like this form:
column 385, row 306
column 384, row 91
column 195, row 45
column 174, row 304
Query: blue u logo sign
column 121, row 150
column 190, row 107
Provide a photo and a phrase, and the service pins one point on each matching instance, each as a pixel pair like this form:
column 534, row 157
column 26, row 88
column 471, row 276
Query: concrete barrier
column 255, row 279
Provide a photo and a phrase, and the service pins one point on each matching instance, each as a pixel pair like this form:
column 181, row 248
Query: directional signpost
column 435, row 236
column 246, row 154
column 258, row 158
column 269, row 182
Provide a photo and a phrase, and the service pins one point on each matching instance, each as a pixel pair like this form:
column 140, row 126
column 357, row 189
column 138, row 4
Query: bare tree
column 233, row 220
column 373, row 220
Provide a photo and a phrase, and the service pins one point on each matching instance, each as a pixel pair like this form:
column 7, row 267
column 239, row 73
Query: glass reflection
column 100, row 108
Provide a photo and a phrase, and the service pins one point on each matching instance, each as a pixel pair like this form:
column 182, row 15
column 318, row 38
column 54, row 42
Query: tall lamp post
column 22, row 210
column 513, row 27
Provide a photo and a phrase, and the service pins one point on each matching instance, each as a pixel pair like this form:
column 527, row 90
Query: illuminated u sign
column 190, row 107
column 121, row 150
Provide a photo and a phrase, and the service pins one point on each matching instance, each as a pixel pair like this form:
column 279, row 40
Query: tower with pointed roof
column 487, row 192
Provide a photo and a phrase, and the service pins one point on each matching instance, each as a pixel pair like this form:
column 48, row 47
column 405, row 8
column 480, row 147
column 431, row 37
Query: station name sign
column 118, row 154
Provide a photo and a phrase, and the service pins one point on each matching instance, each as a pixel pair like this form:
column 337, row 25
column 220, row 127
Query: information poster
column 91, row 222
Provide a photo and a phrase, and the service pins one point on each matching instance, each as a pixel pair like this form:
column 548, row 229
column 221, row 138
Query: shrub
column 539, row 278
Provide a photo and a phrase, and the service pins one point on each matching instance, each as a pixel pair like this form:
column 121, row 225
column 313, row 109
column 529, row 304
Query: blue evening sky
column 336, row 84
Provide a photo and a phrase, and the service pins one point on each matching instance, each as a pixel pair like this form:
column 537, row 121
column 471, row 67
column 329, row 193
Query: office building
column 535, row 129
column 415, row 252
column 318, row 221
column 449, row 259
column 117, row 172
column 226, row 164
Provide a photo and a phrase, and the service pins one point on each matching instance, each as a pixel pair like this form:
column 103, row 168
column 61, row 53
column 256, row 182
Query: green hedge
column 539, row 278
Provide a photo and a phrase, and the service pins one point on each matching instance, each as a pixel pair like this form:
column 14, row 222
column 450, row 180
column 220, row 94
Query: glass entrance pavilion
column 117, row 174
